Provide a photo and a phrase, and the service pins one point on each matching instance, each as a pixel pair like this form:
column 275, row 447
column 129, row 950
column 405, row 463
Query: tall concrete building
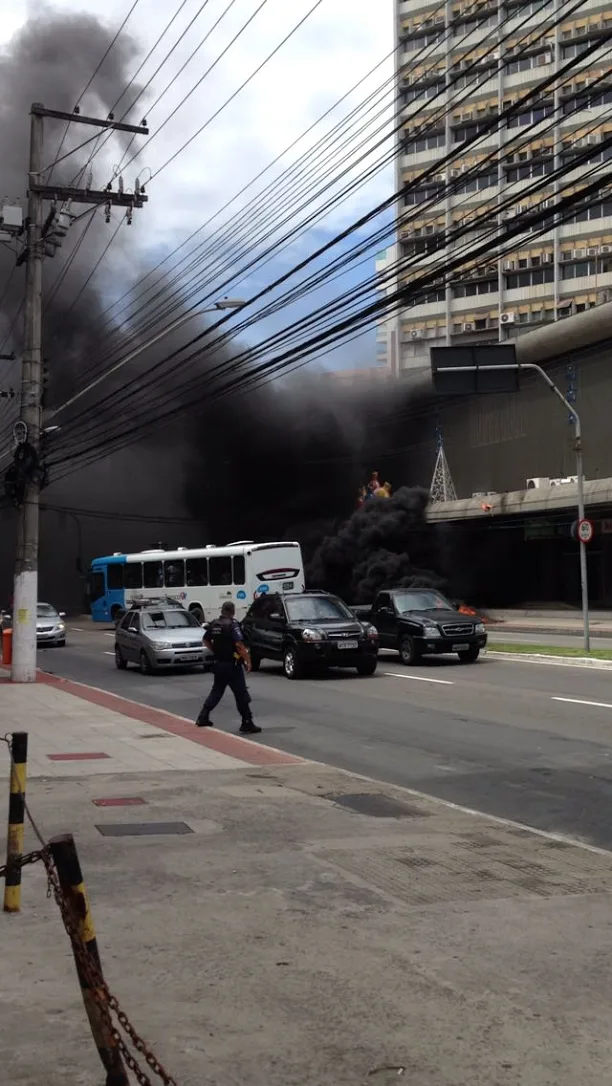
column 516, row 45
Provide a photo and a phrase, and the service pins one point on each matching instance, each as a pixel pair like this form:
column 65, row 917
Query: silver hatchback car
column 159, row 638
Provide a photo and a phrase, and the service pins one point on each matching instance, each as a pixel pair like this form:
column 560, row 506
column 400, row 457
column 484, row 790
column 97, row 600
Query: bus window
column 96, row 587
column 114, row 576
column 220, row 570
column 197, row 572
column 132, row 575
column 153, row 575
column 239, row 575
column 174, row 573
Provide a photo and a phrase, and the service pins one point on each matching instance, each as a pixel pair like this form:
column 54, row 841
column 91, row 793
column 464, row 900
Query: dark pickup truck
column 421, row 622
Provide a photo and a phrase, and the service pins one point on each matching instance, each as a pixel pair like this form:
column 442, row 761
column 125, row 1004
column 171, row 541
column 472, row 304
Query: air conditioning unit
column 567, row 254
column 593, row 250
column 605, row 248
column 507, row 318
column 566, row 480
column 593, row 139
column 416, row 333
column 509, row 265
column 468, row 327
column 546, row 151
column 455, row 173
column 538, row 483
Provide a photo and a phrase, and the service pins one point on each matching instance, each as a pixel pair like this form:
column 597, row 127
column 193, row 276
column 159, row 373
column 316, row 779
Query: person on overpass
column 223, row 638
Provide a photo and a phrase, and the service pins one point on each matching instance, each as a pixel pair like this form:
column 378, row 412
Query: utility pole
column 25, row 591
column 27, row 468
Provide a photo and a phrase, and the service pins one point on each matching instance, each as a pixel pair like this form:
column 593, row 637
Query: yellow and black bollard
column 85, row 950
column 14, row 837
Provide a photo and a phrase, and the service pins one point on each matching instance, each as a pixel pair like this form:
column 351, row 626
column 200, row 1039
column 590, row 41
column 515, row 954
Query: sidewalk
column 553, row 622
column 304, row 927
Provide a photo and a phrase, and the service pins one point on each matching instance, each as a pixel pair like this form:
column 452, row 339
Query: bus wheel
column 197, row 612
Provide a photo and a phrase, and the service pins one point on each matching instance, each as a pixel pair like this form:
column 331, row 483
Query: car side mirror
column 276, row 617
column 62, row 614
column 132, row 629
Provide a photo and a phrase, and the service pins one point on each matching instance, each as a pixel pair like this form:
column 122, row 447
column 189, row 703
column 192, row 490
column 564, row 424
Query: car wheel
column 255, row 662
column 291, row 664
column 409, row 654
column 120, row 662
column 469, row 656
column 197, row 613
column 145, row 664
column 367, row 667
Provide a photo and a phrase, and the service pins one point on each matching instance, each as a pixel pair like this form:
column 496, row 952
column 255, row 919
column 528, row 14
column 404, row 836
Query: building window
column 531, row 278
column 583, row 268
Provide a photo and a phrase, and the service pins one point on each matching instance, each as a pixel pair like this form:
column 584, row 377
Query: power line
column 89, row 83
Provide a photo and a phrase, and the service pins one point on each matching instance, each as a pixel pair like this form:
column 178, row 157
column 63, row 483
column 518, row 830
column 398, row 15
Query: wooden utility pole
column 28, row 466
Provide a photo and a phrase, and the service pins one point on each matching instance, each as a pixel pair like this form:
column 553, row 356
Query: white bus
column 201, row 579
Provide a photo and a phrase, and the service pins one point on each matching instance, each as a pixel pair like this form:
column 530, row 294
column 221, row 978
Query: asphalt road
column 528, row 742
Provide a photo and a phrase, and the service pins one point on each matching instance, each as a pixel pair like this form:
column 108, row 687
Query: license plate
column 190, row 656
column 460, row 648
column 287, row 586
column 348, row 644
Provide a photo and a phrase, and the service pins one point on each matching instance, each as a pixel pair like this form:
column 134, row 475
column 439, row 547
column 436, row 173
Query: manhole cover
column 143, row 829
column 376, row 805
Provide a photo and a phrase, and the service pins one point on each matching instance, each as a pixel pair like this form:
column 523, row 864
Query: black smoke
column 386, row 543
column 282, row 461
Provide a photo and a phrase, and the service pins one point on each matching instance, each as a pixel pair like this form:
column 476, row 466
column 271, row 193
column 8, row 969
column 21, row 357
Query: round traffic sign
column 585, row 531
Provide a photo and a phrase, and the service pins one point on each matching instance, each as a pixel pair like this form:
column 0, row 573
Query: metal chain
column 23, row 861
column 97, row 985
column 100, row 992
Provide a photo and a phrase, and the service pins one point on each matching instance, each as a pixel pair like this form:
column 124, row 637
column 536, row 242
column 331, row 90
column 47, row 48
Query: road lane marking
column 79, row 629
column 418, row 678
column 108, row 653
column 106, row 634
column 579, row 701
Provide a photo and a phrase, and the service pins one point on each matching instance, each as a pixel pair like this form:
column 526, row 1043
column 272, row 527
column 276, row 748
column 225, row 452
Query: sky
column 334, row 48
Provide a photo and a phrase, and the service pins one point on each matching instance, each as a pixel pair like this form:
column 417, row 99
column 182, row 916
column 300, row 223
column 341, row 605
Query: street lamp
column 223, row 303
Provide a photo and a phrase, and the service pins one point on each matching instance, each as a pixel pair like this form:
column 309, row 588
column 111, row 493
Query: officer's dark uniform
column 224, row 634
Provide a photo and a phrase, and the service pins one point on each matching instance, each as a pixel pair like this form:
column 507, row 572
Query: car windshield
column 316, row 609
column 167, row 620
column 423, row 600
column 45, row 610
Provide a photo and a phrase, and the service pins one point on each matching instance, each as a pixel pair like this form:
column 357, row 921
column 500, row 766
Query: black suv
column 310, row 631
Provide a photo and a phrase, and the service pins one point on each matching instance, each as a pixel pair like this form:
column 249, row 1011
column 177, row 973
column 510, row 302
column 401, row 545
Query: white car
column 50, row 626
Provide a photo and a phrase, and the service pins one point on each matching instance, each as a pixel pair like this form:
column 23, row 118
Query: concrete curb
column 543, row 658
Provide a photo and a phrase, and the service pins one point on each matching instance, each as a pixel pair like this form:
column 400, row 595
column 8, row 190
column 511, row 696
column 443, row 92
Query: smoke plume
column 284, row 461
column 387, row 543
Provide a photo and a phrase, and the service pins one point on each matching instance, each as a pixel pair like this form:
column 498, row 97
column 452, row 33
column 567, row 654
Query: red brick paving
column 253, row 753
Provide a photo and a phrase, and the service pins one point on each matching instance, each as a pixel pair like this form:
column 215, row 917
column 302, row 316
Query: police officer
column 223, row 638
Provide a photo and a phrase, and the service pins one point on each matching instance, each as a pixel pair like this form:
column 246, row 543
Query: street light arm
column 194, row 312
